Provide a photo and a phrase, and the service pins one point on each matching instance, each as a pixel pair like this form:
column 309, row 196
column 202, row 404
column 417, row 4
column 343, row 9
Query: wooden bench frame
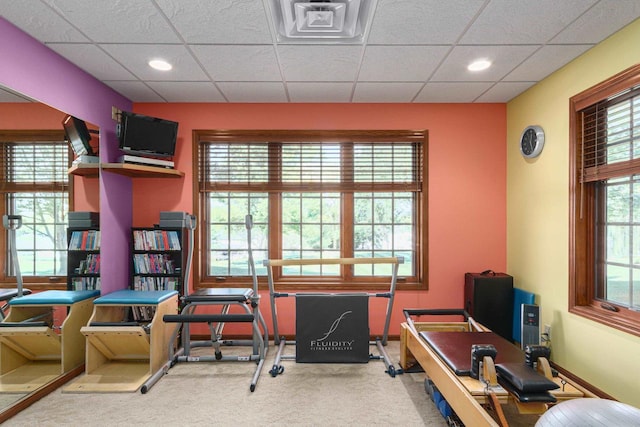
column 32, row 356
column 122, row 358
column 467, row 396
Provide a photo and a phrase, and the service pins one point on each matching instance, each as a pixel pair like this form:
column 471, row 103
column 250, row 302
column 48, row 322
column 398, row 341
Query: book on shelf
column 84, row 240
column 153, row 264
column 85, row 283
column 143, row 283
column 156, row 240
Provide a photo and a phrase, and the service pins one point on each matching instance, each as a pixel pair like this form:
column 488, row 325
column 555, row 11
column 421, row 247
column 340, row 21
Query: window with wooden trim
column 312, row 195
column 604, row 274
column 35, row 185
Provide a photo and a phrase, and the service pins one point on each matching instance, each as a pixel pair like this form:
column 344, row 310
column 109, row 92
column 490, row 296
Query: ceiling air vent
column 330, row 21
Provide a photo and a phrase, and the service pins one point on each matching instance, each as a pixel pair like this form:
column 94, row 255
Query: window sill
column 624, row 320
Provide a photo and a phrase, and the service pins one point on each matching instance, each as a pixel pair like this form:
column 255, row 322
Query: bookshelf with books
column 83, row 258
column 157, row 259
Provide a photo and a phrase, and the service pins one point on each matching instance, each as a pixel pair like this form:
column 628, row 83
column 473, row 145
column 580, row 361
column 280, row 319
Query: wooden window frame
column 582, row 214
column 420, row 281
column 33, row 282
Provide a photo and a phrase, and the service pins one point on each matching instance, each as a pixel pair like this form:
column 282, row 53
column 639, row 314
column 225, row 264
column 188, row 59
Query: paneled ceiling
column 409, row 51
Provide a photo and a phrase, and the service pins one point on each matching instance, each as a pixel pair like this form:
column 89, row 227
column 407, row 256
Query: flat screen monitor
column 147, row 136
column 78, row 136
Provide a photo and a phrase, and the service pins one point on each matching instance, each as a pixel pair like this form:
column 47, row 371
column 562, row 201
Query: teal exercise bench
column 122, row 355
column 33, row 351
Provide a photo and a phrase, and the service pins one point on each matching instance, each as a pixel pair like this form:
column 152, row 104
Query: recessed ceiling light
column 160, row 64
column 479, row 65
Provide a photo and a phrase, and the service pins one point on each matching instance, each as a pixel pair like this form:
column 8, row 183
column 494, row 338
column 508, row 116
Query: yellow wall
column 538, row 219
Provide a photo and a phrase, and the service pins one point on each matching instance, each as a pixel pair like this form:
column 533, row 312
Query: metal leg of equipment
column 379, row 342
column 247, row 299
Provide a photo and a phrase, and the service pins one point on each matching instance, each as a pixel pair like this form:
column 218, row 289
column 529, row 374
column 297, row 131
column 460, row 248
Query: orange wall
column 467, row 179
column 25, row 116
column 467, row 183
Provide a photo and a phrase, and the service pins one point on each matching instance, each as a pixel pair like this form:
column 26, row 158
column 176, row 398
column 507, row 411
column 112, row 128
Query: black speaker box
column 488, row 298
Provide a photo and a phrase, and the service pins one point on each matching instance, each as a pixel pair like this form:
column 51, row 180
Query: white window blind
column 610, row 137
column 34, row 166
column 311, row 166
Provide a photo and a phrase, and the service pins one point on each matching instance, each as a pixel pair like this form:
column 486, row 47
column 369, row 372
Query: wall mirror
column 83, row 195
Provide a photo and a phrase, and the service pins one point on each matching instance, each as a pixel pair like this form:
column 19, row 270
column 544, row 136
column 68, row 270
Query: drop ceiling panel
column 319, row 62
column 389, row 92
column 187, row 91
column 230, row 51
column 222, row 21
column 504, row 90
column 503, row 58
column 135, row 58
column 117, row 21
column 93, row 60
column 452, row 92
column 603, row 19
column 320, row 92
column 524, row 22
column 40, row 21
column 253, row 91
column 135, row 90
column 400, row 63
column 422, row 21
column 545, row 61
column 239, row 63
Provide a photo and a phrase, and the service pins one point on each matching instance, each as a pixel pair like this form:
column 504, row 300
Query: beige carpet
column 218, row 393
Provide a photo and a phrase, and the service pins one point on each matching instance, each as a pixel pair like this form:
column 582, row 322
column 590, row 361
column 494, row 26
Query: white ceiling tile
column 319, row 62
column 239, row 63
column 117, row 21
column 253, row 91
column 39, row 21
column 421, row 21
column 400, row 63
column 504, row 91
column 93, row 60
column 187, row 91
column 220, row 21
column 545, row 61
column 503, row 58
column 320, row 92
column 599, row 22
column 451, row 92
column 386, row 92
column 230, row 46
column 523, row 21
column 135, row 58
column 137, row 91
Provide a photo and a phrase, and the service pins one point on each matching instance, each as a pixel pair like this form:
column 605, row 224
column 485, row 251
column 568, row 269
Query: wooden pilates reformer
column 379, row 342
column 444, row 351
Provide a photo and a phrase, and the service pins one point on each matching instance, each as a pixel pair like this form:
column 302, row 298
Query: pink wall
column 31, row 68
column 467, row 182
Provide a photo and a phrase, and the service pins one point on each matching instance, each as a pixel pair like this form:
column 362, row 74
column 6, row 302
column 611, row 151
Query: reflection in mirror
column 8, row 95
column 44, row 267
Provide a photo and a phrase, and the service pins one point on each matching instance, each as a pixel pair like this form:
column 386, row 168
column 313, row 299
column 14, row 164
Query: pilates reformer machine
column 332, row 327
column 246, row 299
column 471, row 372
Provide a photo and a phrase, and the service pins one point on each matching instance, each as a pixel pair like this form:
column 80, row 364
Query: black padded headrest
column 524, row 378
